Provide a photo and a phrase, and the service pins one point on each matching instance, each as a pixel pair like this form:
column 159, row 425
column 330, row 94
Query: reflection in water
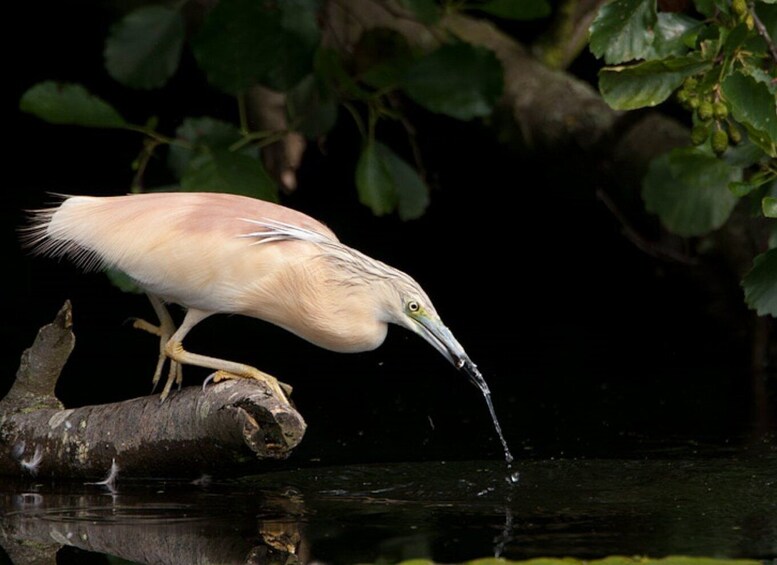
column 721, row 504
column 149, row 524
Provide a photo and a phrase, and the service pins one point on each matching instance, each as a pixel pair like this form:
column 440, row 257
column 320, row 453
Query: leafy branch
column 719, row 62
column 289, row 48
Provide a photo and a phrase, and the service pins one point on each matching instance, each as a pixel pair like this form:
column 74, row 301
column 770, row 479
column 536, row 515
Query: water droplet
column 513, row 478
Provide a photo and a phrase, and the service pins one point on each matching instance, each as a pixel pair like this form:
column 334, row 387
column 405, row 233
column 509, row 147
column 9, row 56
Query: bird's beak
column 435, row 332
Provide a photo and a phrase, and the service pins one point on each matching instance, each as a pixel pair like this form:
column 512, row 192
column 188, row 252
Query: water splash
column 478, row 379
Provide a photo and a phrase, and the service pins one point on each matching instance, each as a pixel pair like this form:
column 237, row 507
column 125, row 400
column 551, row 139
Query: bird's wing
column 273, row 230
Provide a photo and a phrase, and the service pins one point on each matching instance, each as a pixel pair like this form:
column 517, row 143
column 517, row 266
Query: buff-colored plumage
column 218, row 253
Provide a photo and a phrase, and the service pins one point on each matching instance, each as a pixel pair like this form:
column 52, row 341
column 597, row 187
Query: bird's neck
column 316, row 303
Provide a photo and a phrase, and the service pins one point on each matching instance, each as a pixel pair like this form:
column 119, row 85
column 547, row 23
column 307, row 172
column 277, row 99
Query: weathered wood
column 192, row 432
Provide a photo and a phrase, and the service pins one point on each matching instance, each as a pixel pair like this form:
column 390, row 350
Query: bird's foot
column 175, row 371
column 140, row 324
column 281, row 390
column 174, row 375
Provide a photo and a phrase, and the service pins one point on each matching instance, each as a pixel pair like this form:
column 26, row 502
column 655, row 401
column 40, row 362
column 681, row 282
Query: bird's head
column 395, row 297
column 411, row 308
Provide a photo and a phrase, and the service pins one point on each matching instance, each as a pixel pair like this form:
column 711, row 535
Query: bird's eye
column 413, row 306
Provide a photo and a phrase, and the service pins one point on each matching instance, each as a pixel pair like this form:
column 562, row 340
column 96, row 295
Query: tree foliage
column 720, row 62
column 239, row 44
column 715, row 58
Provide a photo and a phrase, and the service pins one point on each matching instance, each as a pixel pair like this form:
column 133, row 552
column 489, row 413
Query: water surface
column 715, row 501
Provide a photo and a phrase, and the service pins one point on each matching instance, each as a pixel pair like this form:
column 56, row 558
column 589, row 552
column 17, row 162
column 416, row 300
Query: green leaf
column 412, row 192
column 710, row 8
column 226, row 171
column 244, row 42
column 735, row 38
column 673, row 34
column 71, row 104
column 458, row 80
column 743, row 155
column 609, row 560
column 312, row 107
column 623, row 30
column 521, row 10
column 769, row 206
column 375, row 187
column 760, row 284
column 760, row 75
column 144, row 48
column 688, row 189
column 385, row 182
column 754, row 106
column 646, row 84
column 741, row 188
column 381, row 58
column 425, row 11
column 202, row 133
column 123, row 282
column 330, row 67
column 767, row 13
column 759, row 179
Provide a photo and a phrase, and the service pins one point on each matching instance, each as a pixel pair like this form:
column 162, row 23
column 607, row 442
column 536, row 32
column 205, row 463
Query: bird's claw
column 163, row 331
column 174, row 375
column 282, row 390
column 140, row 324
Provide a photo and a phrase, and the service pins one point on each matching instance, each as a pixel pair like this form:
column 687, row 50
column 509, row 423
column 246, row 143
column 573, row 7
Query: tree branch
column 266, row 111
column 568, row 34
column 764, row 33
column 193, row 432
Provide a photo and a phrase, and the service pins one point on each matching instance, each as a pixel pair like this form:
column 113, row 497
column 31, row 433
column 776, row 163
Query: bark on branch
column 193, row 432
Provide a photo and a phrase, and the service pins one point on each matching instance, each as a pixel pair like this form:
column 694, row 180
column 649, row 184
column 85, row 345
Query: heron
column 222, row 253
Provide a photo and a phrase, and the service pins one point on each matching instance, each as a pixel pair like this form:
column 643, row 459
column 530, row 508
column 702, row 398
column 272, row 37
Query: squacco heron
column 218, row 253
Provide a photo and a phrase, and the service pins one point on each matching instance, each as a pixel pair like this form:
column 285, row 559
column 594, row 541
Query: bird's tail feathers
column 56, row 232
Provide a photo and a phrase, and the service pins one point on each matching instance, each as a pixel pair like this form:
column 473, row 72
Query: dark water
column 691, row 499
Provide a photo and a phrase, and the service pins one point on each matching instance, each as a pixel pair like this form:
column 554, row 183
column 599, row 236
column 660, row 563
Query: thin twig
column 158, row 137
column 356, row 118
column 266, row 137
column 354, row 18
column 649, row 247
column 764, row 33
column 412, row 136
column 440, row 35
column 149, row 145
column 242, row 113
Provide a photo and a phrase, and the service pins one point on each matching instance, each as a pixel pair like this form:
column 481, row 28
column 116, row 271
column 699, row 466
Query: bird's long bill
column 441, row 338
column 435, row 332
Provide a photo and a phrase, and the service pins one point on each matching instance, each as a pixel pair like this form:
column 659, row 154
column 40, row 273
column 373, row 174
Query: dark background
column 590, row 346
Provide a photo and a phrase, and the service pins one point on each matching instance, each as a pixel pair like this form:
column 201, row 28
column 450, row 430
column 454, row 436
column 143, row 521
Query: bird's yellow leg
column 222, row 375
column 164, row 331
column 224, row 369
column 140, row 324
